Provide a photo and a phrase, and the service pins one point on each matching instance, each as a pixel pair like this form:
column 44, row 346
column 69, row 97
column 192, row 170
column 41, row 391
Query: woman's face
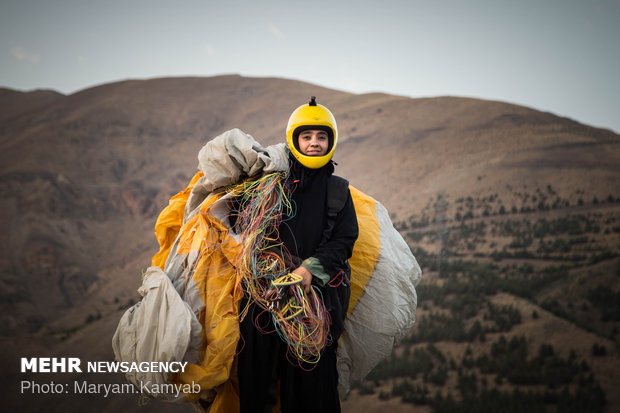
column 313, row 142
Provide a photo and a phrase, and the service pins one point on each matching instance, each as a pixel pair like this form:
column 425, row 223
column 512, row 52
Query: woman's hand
column 306, row 278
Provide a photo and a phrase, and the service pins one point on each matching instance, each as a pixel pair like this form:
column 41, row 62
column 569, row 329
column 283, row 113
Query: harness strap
column 337, row 194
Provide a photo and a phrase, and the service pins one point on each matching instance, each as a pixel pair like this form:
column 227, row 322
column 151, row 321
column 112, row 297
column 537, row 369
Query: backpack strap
column 337, row 194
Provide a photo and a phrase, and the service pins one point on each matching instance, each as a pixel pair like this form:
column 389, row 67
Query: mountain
column 14, row 103
column 515, row 205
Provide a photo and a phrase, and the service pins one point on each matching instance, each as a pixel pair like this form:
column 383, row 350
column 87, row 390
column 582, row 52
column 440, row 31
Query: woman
column 316, row 241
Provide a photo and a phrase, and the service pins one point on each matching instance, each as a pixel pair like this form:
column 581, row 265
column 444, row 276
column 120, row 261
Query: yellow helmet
column 311, row 116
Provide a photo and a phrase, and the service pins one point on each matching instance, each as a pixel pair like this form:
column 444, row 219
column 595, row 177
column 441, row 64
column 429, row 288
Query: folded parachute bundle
column 199, row 253
column 160, row 328
column 384, row 274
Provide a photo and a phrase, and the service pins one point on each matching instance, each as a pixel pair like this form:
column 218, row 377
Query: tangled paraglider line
column 300, row 318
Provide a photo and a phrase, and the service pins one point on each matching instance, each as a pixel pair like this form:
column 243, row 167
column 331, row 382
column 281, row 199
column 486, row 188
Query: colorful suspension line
column 300, row 319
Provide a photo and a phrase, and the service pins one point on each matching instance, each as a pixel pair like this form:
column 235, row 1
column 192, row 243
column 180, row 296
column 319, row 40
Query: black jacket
column 302, row 232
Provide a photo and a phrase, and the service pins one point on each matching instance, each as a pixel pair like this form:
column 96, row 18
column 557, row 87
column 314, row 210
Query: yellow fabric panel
column 169, row 222
column 216, row 283
column 220, row 334
column 366, row 249
column 227, row 398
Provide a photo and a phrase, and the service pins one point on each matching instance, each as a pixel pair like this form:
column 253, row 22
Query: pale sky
column 560, row 56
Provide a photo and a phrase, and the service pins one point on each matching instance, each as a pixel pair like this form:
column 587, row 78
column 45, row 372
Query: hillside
column 509, row 211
